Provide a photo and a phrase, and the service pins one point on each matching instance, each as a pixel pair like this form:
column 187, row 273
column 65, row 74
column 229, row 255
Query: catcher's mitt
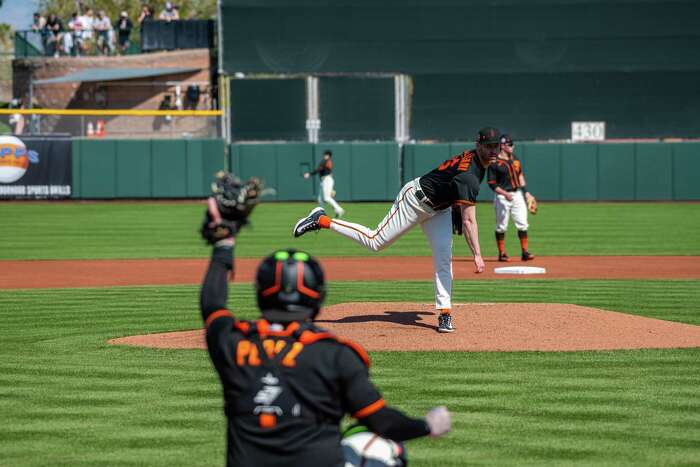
column 228, row 208
column 456, row 220
column 531, row 203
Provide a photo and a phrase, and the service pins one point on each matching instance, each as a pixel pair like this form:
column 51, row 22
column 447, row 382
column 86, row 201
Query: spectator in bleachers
column 102, row 27
column 75, row 27
column 53, row 30
column 146, row 14
column 87, row 21
column 38, row 22
column 39, row 27
column 170, row 13
column 123, row 27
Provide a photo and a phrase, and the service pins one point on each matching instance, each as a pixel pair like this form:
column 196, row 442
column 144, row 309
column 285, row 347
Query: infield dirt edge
column 500, row 327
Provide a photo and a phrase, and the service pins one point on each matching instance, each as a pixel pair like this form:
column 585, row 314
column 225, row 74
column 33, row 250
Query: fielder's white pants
column 517, row 209
column 325, row 194
column 405, row 213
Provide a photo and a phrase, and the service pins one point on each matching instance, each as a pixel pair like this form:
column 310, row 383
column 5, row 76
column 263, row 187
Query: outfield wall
column 375, row 171
column 145, row 168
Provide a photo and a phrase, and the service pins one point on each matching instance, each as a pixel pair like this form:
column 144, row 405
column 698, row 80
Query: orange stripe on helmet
column 300, row 283
column 278, row 281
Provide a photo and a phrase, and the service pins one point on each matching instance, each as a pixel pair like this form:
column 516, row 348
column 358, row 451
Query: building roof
column 114, row 74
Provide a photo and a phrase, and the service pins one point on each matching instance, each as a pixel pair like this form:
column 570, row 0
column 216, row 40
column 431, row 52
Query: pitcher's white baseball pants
column 517, row 209
column 325, row 194
column 405, row 213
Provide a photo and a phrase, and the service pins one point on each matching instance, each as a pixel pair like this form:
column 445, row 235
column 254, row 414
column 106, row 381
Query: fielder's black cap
column 506, row 139
column 488, row 135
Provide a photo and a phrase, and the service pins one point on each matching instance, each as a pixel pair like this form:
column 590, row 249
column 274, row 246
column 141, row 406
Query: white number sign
column 587, row 131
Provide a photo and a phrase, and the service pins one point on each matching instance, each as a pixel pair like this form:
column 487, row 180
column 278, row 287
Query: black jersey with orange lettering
column 455, row 181
column 287, row 387
column 324, row 168
column 505, row 174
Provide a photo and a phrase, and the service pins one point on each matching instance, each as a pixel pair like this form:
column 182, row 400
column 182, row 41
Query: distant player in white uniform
column 506, row 179
column 325, row 192
column 427, row 201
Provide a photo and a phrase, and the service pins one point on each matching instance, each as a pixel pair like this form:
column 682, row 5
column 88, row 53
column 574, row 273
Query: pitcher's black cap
column 506, row 139
column 488, row 135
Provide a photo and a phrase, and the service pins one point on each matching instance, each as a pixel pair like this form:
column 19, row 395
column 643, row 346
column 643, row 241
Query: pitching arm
column 471, row 234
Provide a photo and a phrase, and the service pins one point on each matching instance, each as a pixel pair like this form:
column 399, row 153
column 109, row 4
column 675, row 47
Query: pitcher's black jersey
column 455, row 181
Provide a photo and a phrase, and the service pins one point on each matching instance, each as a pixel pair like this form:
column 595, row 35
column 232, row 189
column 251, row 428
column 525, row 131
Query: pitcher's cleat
column 445, row 323
column 309, row 223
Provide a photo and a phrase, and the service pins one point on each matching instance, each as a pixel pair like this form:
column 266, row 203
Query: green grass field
column 150, row 230
column 69, row 399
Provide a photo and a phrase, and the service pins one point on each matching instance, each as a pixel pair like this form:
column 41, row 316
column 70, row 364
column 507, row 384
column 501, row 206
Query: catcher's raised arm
column 228, row 208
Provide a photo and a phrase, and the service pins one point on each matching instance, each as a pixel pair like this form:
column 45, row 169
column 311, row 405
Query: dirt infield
column 480, row 327
column 106, row 273
column 410, row 326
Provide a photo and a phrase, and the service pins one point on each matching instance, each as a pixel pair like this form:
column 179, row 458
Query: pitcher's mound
column 479, row 327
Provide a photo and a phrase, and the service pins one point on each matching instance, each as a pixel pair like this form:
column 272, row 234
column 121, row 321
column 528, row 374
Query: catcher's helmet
column 290, row 286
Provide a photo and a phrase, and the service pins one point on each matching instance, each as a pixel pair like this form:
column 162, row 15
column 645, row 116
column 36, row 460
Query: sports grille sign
column 35, row 168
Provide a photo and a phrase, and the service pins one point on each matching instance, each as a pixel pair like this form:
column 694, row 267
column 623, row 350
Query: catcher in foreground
column 286, row 382
column 506, row 179
column 229, row 206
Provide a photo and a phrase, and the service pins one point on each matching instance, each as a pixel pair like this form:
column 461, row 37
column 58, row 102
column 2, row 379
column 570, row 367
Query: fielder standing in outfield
column 325, row 192
column 427, row 201
column 506, row 179
column 286, row 382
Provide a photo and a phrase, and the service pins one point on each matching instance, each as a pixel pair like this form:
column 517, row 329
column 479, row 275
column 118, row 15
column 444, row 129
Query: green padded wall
column 145, row 168
column 98, row 174
column 134, row 171
column 542, row 168
column 579, row 172
column 280, row 166
column 370, row 171
column 616, row 174
column 362, row 172
column 686, row 167
column 654, row 173
column 291, row 160
column 77, row 151
column 374, row 171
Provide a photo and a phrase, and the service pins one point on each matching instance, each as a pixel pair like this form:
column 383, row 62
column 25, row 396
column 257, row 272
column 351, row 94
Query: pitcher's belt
column 421, row 196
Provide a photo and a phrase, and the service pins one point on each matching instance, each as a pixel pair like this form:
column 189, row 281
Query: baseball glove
column 531, row 203
column 228, row 208
column 456, row 220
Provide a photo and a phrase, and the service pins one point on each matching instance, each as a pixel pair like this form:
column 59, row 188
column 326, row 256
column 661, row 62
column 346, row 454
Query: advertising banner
column 35, row 168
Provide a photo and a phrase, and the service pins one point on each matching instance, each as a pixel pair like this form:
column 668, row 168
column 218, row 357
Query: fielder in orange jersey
column 326, row 194
column 427, row 201
column 506, row 179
